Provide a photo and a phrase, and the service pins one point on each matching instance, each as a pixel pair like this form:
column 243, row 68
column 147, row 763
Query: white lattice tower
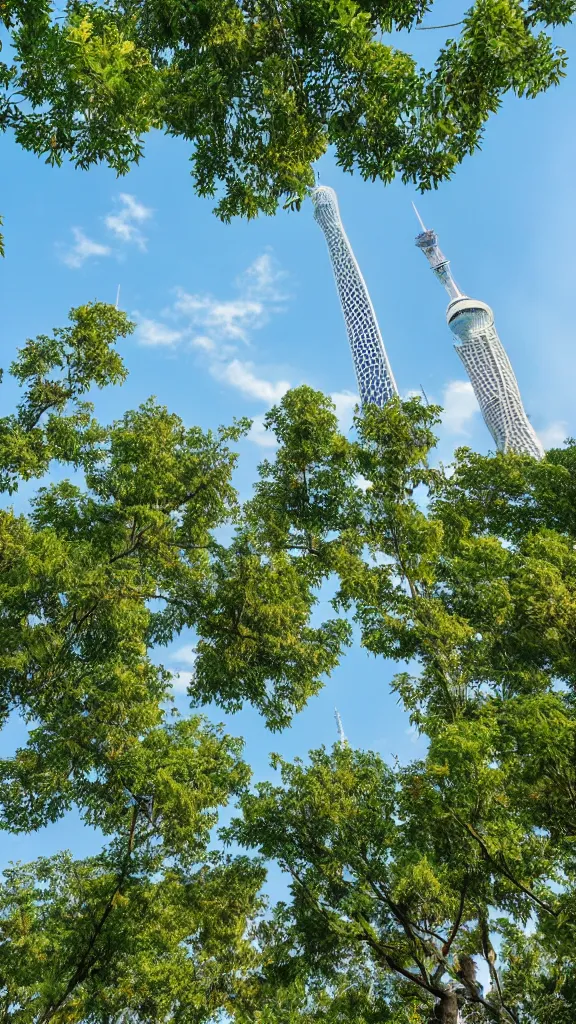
column 376, row 382
column 484, row 359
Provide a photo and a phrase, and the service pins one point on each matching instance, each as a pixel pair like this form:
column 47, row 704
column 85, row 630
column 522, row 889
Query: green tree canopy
column 420, row 872
column 156, row 926
column 403, row 878
column 128, row 934
column 261, row 88
column 104, row 568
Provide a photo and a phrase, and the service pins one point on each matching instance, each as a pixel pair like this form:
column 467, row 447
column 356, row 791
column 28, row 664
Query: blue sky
column 230, row 315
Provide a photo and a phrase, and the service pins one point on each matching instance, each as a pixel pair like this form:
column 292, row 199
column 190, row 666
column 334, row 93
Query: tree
column 261, row 88
column 418, row 871
column 403, row 877
column 102, row 570
column 157, row 925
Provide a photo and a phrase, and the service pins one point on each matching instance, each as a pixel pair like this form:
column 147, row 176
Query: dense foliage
column 261, row 88
column 404, row 879
column 419, row 873
column 154, row 926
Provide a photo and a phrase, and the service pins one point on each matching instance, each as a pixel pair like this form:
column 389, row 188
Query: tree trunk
column 446, row 1010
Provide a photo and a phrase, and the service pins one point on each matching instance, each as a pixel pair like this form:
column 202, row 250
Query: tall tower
column 376, row 382
column 484, row 358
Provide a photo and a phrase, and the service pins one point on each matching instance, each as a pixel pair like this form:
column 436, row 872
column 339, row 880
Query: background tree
column 469, row 578
column 378, row 884
column 261, row 88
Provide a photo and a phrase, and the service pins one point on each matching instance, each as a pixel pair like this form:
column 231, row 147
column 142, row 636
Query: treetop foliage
column 261, row 88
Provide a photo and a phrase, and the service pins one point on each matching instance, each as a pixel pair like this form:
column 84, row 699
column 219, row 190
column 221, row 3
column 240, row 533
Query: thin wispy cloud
column 123, row 225
column 260, row 435
column 202, row 341
column 184, row 660
column 184, row 656
column 259, row 295
column 221, row 329
column 83, row 249
column 181, row 681
column 232, row 318
column 263, row 279
column 345, row 402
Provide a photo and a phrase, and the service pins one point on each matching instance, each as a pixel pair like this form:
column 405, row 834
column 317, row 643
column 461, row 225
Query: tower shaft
column 376, row 382
column 484, row 359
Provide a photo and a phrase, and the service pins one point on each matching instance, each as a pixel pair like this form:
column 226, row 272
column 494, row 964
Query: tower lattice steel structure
column 376, row 382
column 484, row 358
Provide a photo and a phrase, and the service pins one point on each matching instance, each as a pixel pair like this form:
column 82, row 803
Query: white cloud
column 225, row 319
column 216, row 327
column 241, row 375
column 124, row 224
column 133, row 209
column 362, row 483
column 460, row 406
column 260, row 436
column 262, row 279
column 345, row 402
column 231, row 318
column 554, row 435
column 181, row 681
column 184, row 656
column 152, row 332
column 83, row 249
column 204, row 342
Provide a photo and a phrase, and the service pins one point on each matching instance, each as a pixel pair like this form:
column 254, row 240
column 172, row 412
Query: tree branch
column 87, row 960
column 503, row 867
column 391, row 963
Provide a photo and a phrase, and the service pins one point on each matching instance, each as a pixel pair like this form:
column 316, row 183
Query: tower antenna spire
column 422, row 224
column 341, row 734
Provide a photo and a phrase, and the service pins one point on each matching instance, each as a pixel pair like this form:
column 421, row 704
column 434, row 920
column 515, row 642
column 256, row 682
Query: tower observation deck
column 376, row 382
column 484, row 358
